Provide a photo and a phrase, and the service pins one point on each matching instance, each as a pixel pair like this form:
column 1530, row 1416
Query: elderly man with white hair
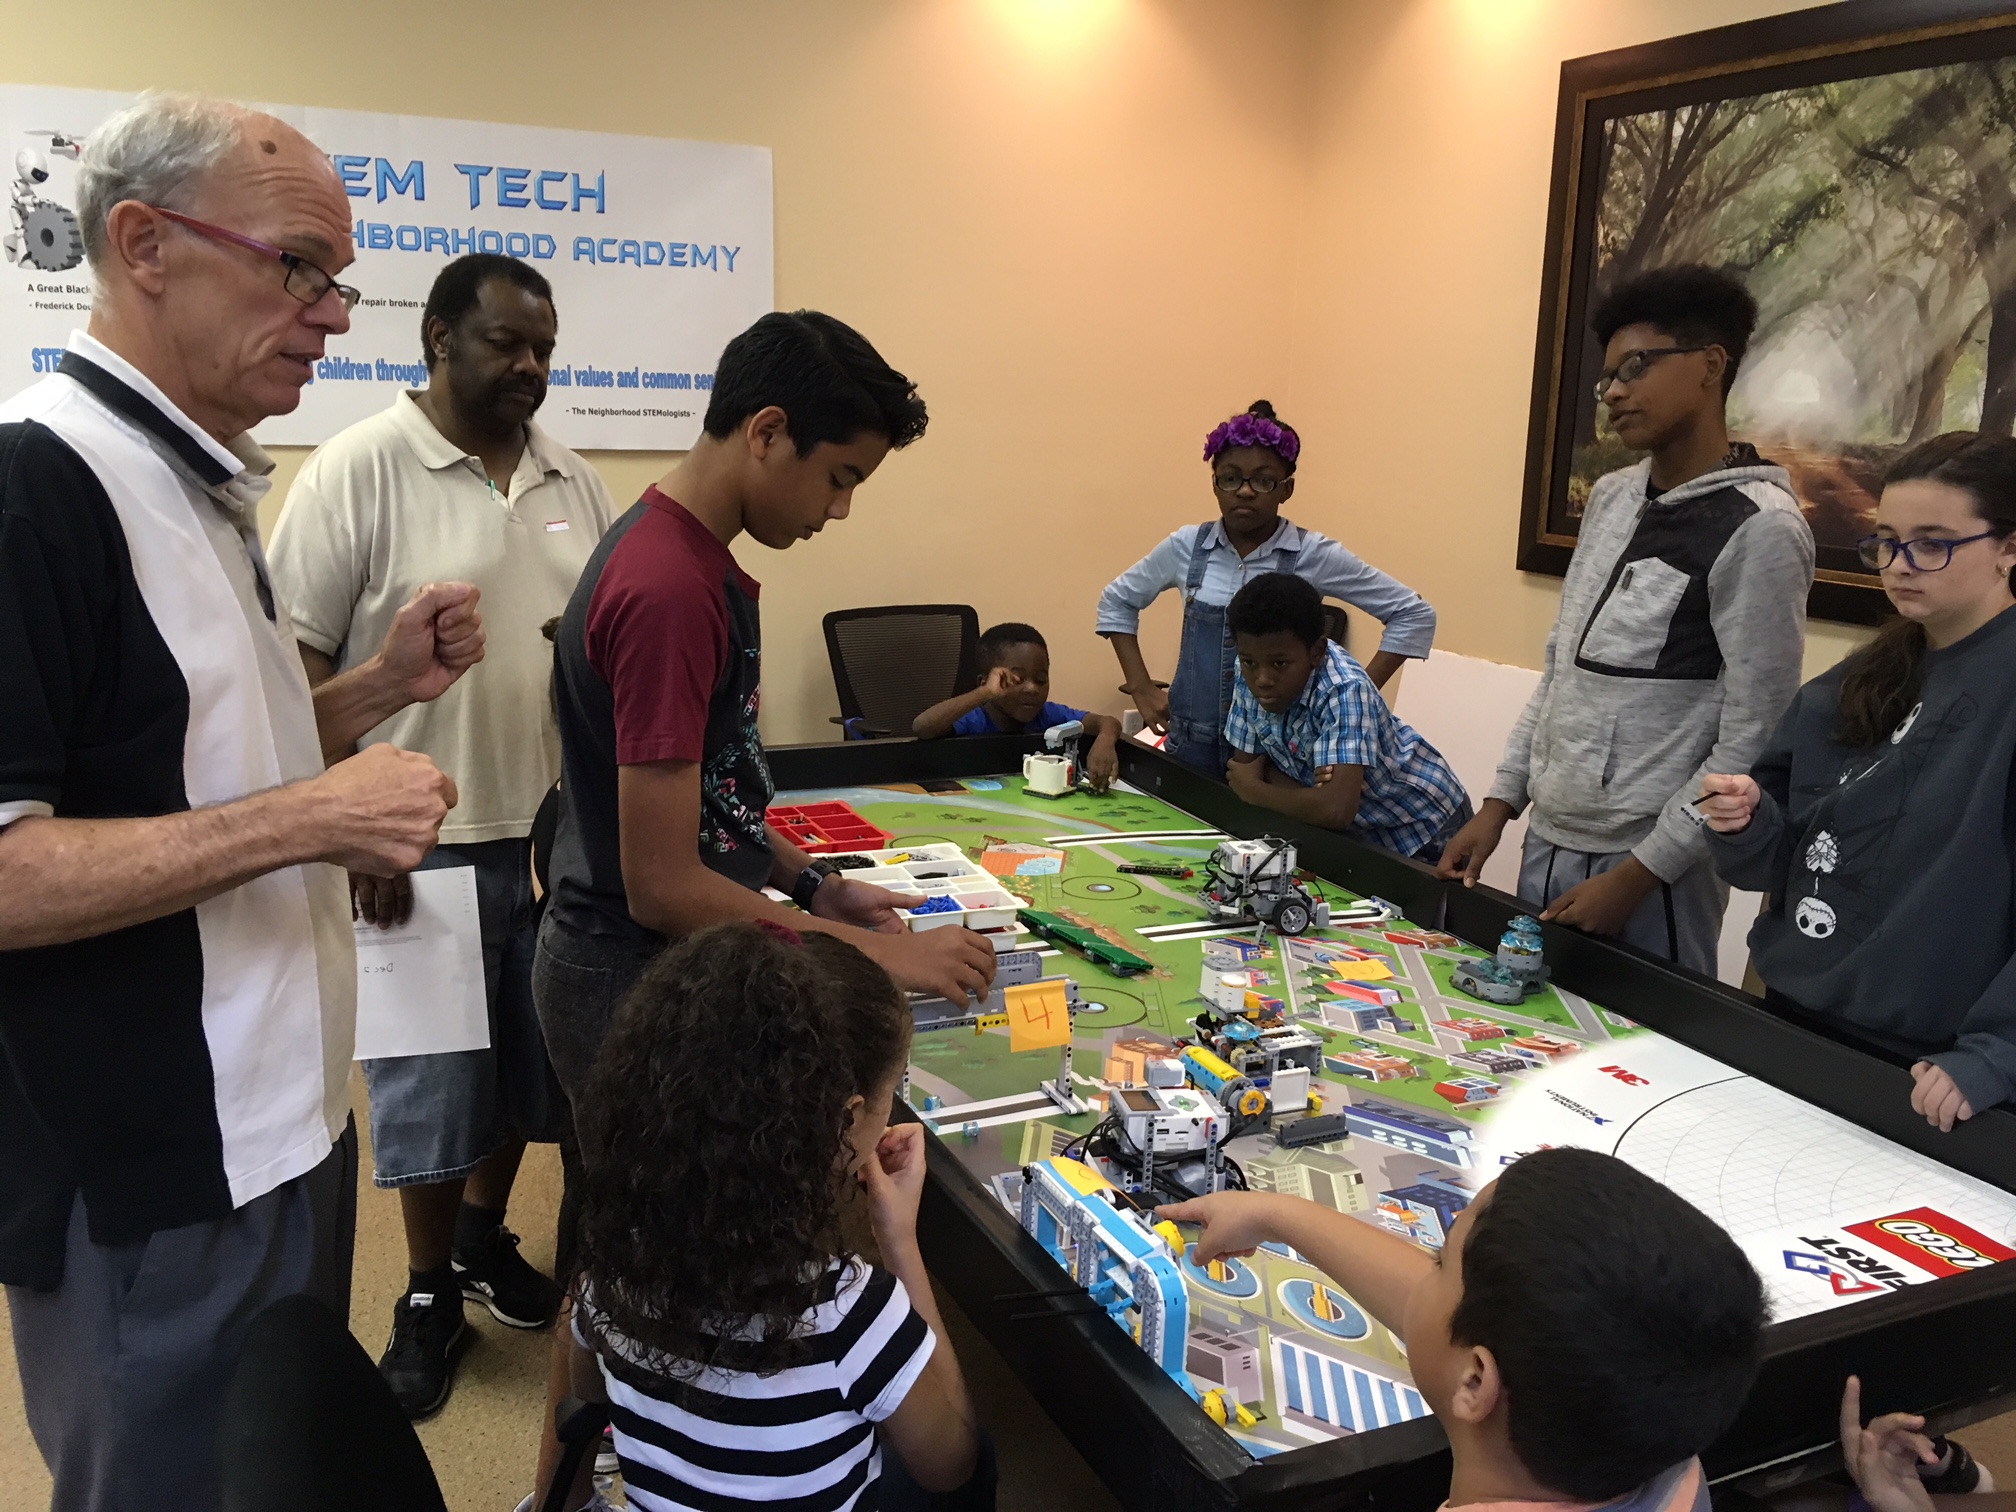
column 177, row 972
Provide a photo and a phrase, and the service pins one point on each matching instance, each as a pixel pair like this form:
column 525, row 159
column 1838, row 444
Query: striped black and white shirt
column 803, row 1438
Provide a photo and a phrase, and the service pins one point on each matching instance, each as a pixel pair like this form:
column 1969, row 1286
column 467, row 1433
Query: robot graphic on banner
column 42, row 234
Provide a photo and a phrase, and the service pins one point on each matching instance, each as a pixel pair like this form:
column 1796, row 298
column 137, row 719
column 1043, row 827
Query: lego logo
column 1933, row 1241
column 1929, row 1239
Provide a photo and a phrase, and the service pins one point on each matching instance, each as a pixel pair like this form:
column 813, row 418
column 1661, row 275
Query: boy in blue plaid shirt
column 1315, row 741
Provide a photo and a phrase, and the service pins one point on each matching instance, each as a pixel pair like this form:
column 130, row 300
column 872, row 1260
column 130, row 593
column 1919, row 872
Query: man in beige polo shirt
column 457, row 482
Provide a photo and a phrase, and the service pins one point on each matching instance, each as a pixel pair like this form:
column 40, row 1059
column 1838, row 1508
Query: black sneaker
column 494, row 1273
column 419, row 1361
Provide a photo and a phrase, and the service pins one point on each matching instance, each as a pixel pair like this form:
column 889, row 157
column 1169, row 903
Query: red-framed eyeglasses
column 304, row 280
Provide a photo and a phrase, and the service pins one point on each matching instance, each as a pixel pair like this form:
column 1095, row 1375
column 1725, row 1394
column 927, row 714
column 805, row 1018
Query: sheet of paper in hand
column 420, row 984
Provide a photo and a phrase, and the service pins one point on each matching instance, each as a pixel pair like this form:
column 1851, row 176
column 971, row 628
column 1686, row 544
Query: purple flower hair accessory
column 1253, row 430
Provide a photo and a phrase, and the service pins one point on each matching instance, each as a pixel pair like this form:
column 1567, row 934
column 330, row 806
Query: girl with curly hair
column 744, row 1087
column 1252, row 460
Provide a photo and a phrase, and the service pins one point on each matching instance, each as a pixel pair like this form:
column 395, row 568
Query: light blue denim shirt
column 1312, row 556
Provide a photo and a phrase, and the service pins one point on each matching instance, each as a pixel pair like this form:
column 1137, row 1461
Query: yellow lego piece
column 1213, row 1403
column 1173, row 1234
column 1244, row 1416
column 1209, row 1061
column 988, row 1021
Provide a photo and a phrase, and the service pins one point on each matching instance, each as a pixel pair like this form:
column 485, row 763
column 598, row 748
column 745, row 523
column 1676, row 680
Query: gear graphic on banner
column 50, row 238
column 42, row 234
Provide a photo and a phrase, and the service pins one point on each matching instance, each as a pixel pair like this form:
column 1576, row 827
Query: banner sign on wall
column 659, row 251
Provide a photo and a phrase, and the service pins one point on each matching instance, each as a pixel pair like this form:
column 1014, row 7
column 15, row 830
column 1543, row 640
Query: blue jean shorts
column 435, row 1117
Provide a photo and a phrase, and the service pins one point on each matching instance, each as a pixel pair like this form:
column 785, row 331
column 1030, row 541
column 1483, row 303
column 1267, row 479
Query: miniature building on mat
column 1371, row 1065
column 1541, row 1049
column 1415, row 1130
column 1473, row 1028
column 1221, row 1360
column 1426, row 1210
column 1318, row 1175
column 1489, row 1062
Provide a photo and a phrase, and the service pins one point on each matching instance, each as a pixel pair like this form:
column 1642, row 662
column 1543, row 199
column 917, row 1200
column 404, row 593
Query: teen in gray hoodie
column 1881, row 817
column 1678, row 642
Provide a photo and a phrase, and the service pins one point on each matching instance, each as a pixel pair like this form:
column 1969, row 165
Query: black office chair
column 310, row 1425
column 1337, row 625
column 892, row 662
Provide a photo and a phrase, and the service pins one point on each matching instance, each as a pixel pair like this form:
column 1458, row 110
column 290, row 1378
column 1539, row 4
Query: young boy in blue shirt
column 1013, row 698
column 1560, row 1372
column 1313, row 739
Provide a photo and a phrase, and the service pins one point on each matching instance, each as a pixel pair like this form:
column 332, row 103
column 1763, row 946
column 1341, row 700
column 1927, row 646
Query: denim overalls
column 1201, row 690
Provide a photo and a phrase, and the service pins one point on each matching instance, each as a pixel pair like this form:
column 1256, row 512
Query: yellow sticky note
column 1039, row 1016
column 1361, row 971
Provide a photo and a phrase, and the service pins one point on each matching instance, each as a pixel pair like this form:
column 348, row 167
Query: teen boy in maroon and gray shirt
column 658, row 669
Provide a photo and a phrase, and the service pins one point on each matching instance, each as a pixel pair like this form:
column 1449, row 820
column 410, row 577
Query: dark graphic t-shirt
column 659, row 658
column 1892, row 868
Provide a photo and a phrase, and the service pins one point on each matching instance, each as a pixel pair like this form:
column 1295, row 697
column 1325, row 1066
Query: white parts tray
column 942, row 870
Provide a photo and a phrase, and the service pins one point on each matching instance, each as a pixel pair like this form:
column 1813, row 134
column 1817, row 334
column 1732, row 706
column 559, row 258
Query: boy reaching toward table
column 1013, row 698
column 657, row 679
column 1678, row 642
column 658, row 670
column 1313, row 739
column 1584, row 1334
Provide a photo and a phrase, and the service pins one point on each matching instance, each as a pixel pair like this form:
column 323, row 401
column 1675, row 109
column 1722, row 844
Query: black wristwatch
column 811, row 880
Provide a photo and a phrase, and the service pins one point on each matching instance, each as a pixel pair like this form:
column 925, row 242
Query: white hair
column 155, row 151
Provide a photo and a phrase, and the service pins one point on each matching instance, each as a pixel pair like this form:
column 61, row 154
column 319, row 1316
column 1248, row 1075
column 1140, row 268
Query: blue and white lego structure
column 1125, row 1266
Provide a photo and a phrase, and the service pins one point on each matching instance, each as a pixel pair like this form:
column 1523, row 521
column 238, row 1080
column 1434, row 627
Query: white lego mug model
column 1046, row 774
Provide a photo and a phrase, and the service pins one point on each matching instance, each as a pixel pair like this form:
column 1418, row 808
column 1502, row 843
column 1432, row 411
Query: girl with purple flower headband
column 1252, row 458
column 1258, row 427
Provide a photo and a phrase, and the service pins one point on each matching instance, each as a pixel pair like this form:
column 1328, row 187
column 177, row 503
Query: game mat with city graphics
column 1438, row 1091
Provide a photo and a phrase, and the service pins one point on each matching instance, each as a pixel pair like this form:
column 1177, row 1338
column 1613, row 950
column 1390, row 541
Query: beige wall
column 1090, row 228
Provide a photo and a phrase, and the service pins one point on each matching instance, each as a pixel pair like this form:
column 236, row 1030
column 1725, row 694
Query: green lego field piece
column 1086, row 942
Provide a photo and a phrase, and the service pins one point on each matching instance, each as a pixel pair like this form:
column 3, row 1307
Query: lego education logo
column 1577, row 1108
column 1932, row 1241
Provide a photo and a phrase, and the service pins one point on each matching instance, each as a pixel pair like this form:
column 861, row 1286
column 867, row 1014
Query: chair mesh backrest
column 892, row 663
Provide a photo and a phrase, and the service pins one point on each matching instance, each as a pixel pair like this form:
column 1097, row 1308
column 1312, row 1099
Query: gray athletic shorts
column 1681, row 921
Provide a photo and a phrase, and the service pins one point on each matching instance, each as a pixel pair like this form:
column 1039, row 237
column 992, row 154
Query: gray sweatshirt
column 1677, row 647
column 1892, row 869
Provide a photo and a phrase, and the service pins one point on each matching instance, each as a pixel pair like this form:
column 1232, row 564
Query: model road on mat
column 1437, row 1091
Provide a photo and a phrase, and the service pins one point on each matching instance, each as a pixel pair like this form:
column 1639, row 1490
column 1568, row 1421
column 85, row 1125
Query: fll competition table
column 1879, row 1240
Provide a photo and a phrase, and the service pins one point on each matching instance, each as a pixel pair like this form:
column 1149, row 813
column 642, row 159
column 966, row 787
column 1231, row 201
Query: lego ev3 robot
column 1255, row 879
